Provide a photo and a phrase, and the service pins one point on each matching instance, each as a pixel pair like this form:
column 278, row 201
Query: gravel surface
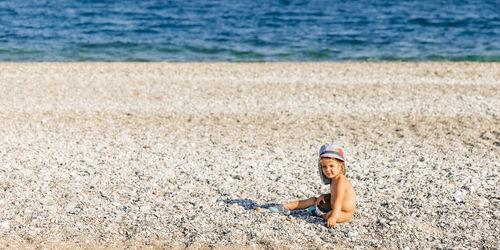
column 181, row 155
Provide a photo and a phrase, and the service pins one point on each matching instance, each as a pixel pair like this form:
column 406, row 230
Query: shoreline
column 181, row 154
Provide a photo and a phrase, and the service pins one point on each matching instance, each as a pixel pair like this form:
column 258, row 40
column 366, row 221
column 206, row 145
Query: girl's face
column 331, row 167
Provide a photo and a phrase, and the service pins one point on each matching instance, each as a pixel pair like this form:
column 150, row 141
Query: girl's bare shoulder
column 346, row 183
column 342, row 182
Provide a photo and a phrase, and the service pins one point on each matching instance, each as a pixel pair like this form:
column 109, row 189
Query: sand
column 181, row 154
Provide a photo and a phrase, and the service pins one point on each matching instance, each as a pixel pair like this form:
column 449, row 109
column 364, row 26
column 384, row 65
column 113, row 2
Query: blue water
column 232, row 30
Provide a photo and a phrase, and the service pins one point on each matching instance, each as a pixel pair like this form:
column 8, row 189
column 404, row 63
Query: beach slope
column 182, row 154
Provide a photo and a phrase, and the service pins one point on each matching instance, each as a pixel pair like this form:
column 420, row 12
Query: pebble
column 353, row 234
column 180, row 169
column 4, row 226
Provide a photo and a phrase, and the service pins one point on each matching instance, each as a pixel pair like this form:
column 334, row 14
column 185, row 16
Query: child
column 342, row 197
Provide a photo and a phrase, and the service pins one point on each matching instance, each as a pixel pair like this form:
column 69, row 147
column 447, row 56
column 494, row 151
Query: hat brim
column 332, row 155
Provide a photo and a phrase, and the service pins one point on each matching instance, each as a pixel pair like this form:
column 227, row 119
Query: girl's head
column 331, row 160
column 331, row 167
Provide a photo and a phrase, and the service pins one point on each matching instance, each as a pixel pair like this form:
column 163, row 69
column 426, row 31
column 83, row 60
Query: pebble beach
column 191, row 155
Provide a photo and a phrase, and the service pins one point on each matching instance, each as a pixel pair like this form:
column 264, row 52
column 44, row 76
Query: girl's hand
column 331, row 222
column 321, row 198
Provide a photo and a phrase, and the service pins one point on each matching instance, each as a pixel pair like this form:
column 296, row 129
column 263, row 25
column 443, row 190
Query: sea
column 249, row 30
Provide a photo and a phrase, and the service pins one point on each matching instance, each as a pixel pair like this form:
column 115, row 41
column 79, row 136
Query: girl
column 340, row 203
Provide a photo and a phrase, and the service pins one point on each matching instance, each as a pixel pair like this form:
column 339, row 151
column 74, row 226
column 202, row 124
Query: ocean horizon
column 249, row 31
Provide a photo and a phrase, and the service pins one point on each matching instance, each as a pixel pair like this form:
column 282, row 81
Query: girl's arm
column 339, row 189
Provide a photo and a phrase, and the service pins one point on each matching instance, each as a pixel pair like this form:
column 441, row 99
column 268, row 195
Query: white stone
column 353, row 234
column 146, row 208
column 71, row 206
column 497, row 214
column 5, row 226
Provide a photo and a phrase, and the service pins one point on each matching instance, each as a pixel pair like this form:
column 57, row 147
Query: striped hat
column 331, row 151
